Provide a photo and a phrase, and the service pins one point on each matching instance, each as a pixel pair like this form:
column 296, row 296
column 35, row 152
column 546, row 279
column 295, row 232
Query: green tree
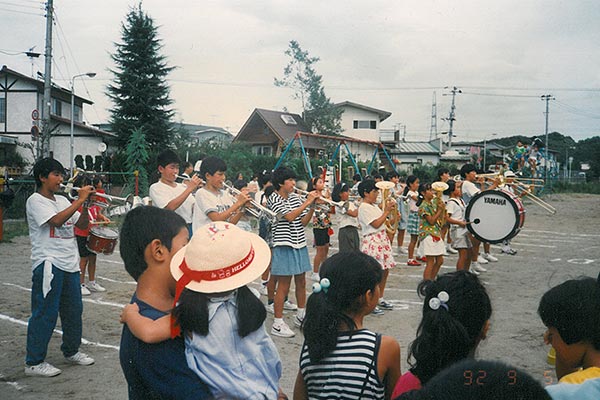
column 299, row 74
column 139, row 93
column 137, row 157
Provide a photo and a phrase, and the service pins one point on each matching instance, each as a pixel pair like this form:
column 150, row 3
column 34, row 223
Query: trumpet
column 110, row 198
column 186, row 178
column 325, row 199
column 257, row 210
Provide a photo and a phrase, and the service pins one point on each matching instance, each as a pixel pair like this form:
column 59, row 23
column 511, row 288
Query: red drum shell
column 102, row 240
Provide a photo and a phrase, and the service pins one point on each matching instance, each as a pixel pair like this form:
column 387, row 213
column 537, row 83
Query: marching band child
column 412, row 194
column 455, row 209
column 431, row 212
column 374, row 238
column 348, row 238
column 340, row 358
column 321, row 222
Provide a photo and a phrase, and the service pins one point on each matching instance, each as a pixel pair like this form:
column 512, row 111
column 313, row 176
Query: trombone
column 257, row 210
column 534, row 199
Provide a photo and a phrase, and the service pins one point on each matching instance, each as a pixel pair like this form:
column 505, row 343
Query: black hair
column 451, row 187
column 376, row 175
column 357, row 178
column 264, row 177
column 480, row 379
column 447, row 336
column 141, row 226
column 192, row 312
column 351, row 275
column 44, row 167
column 442, row 171
column 239, row 184
column 210, row 165
column 269, row 190
column 96, row 180
column 280, row 175
column 573, row 308
column 390, row 175
column 186, row 165
column 312, row 183
column 167, row 157
column 366, row 186
column 423, row 187
column 409, row 181
column 467, row 169
column 338, row 189
column 82, row 180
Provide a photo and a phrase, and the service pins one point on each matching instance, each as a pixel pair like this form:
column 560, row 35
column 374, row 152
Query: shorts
column 460, row 241
column 321, row 236
column 433, row 248
column 82, row 247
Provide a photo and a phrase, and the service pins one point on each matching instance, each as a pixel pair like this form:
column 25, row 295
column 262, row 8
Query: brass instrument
column 523, row 189
column 257, row 210
column 439, row 188
column 391, row 223
column 110, row 198
column 325, row 199
column 185, row 178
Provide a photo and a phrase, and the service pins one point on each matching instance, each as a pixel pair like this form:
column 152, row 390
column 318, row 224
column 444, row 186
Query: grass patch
column 13, row 229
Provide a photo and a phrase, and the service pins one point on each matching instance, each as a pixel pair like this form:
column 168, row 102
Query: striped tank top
column 348, row 372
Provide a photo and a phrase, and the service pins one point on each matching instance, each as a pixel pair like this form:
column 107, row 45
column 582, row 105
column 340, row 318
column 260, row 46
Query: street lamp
column 485, row 151
column 567, row 174
column 91, row 75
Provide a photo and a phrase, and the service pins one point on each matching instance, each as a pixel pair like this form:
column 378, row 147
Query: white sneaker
column 474, row 271
column 481, row 260
column 490, row 257
column 288, row 305
column 282, row 330
column 95, row 287
column 298, row 321
column 80, row 358
column 315, row 277
column 402, row 250
column 477, row 267
column 84, row 290
column 270, row 308
column 451, row 250
column 263, row 290
column 42, row 369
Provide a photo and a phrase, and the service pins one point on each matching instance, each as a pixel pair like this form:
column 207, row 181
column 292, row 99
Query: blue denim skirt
column 287, row 261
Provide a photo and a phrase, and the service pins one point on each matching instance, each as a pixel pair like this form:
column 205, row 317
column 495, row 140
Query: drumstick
column 103, row 222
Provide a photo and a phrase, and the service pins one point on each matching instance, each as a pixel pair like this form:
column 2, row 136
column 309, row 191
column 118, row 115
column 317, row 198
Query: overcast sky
column 391, row 55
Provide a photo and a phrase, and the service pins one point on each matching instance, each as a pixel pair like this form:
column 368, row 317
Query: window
column 77, row 114
column 2, row 109
column 288, row 119
column 57, row 107
column 262, row 150
column 364, row 124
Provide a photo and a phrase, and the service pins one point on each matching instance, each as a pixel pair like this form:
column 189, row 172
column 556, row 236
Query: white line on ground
column 86, row 300
column 15, row 385
column 566, row 233
column 533, row 245
column 113, row 262
column 84, row 341
column 116, row 281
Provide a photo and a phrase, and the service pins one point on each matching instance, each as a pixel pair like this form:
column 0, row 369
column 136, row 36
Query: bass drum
column 495, row 215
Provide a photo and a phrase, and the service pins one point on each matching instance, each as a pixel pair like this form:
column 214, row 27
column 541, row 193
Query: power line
column 7, row 3
column 500, row 95
column 22, row 12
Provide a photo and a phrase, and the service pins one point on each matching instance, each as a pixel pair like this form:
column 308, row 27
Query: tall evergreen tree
column 299, row 74
column 137, row 158
column 140, row 93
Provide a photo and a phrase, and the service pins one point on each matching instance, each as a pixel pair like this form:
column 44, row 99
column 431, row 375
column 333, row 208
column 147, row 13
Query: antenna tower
column 433, row 133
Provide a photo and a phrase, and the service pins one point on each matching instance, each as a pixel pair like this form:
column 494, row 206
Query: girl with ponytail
column 456, row 313
column 340, row 358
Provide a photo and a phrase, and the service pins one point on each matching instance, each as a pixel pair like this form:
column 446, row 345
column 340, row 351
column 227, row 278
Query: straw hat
column 220, row 257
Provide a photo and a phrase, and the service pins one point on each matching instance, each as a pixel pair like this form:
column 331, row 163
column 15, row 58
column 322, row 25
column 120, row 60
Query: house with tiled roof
column 21, row 99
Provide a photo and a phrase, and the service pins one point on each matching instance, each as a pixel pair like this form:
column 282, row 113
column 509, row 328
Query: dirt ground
column 550, row 248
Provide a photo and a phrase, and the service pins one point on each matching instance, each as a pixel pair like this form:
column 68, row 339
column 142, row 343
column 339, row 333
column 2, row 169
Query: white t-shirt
column 412, row 203
column 456, row 209
column 54, row 244
column 161, row 194
column 207, row 202
column 468, row 191
column 368, row 213
column 345, row 219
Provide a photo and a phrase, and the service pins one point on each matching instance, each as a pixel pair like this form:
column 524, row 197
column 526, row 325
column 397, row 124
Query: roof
column 40, row 84
column 415, row 148
column 83, row 126
column 200, row 129
column 284, row 132
column 383, row 115
column 8, row 139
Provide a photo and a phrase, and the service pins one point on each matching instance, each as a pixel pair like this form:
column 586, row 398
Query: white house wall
column 350, row 115
column 18, row 111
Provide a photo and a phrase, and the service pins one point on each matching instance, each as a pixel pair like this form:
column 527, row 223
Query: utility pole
column 47, row 105
column 546, row 98
column 451, row 118
column 433, row 133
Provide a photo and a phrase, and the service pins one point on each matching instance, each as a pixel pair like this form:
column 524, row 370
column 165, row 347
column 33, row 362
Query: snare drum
column 102, row 240
column 495, row 215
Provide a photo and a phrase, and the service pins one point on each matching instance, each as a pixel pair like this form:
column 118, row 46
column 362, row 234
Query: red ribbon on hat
column 190, row 275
